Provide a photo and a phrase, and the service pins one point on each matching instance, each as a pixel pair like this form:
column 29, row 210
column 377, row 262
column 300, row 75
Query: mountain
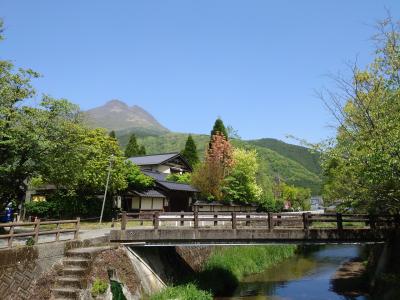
column 117, row 115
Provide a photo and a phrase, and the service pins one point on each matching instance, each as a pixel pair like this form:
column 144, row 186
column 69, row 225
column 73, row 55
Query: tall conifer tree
column 133, row 148
column 219, row 127
column 190, row 151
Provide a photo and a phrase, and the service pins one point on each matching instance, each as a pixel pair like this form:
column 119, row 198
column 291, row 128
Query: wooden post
column 112, row 223
column 306, row 224
column 58, row 232
column 278, row 222
column 215, row 222
column 270, row 221
column 182, row 219
column 156, row 220
column 247, row 220
column 196, row 219
column 233, row 220
column 77, row 228
column 11, row 237
column 372, row 222
column 37, row 227
column 339, row 221
column 123, row 220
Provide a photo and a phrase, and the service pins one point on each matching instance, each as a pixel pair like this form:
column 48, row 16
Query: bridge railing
column 269, row 221
column 35, row 230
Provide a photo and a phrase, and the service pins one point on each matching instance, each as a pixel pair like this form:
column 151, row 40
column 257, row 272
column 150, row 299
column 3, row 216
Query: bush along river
column 279, row 272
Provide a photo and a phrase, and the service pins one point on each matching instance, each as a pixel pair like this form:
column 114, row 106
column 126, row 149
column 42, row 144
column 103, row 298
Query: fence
column 270, row 221
column 37, row 231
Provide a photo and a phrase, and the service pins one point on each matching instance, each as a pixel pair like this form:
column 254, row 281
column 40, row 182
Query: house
column 166, row 195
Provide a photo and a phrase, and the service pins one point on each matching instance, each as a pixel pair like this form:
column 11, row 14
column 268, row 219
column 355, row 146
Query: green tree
column 240, row 185
column 190, row 151
column 136, row 179
column 112, row 134
column 362, row 164
column 219, row 127
column 180, row 178
column 133, row 148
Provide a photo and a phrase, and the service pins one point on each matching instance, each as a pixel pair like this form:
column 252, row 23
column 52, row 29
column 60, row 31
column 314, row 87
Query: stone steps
column 75, row 266
column 65, row 293
column 69, row 282
column 76, row 262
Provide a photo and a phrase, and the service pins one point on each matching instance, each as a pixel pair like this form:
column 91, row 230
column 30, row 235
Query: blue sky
column 254, row 63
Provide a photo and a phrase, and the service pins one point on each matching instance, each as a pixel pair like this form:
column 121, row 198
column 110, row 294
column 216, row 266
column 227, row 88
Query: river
column 306, row 276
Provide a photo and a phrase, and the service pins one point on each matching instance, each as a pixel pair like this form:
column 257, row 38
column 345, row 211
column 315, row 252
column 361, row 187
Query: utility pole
column 105, row 192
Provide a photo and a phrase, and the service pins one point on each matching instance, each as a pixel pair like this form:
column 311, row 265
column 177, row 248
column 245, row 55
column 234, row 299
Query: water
column 305, row 276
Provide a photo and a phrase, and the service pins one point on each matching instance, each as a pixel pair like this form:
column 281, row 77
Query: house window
column 146, row 203
column 38, row 198
column 158, row 203
column 135, row 203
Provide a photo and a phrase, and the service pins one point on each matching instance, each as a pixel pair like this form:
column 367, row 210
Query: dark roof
column 153, row 159
column 174, row 186
column 156, row 175
column 150, row 194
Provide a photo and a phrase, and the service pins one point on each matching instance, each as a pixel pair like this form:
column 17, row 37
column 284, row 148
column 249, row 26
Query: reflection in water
column 306, row 276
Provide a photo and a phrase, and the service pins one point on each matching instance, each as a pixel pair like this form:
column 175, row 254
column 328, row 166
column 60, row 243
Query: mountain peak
column 117, row 115
column 115, row 102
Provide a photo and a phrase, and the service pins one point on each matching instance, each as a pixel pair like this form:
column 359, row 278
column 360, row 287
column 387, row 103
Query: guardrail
column 37, row 231
column 270, row 221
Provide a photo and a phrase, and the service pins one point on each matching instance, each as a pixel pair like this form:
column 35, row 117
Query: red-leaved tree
column 218, row 162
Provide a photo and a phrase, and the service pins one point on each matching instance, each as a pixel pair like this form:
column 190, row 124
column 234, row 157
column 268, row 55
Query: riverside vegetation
column 224, row 269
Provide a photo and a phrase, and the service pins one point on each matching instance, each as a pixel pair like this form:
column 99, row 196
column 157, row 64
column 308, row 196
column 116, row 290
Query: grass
column 245, row 260
column 182, row 292
column 333, row 225
column 227, row 266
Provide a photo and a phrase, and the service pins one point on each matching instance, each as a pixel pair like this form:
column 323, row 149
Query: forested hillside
column 304, row 156
column 294, row 164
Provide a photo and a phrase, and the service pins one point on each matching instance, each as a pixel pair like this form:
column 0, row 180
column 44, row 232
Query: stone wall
column 22, row 267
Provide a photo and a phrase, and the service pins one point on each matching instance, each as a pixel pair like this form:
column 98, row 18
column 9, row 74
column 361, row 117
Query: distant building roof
column 150, row 194
column 153, row 159
column 156, row 175
column 174, row 186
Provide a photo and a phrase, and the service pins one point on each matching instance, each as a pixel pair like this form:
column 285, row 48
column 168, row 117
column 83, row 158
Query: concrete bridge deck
column 190, row 236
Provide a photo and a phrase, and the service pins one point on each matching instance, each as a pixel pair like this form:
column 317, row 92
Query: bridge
column 193, row 228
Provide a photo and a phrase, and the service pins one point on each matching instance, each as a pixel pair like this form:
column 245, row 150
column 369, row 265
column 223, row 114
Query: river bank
column 224, row 268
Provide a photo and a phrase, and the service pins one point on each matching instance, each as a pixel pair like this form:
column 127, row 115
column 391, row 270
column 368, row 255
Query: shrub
column 182, row 292
column 99, row 287
column 30, row 242
column 40, row 208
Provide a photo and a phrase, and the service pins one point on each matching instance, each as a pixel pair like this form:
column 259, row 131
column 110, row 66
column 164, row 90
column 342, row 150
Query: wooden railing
column 270, row 221
column 37, row 231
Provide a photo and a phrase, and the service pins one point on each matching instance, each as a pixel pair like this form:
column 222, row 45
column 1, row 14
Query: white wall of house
column 164, row 169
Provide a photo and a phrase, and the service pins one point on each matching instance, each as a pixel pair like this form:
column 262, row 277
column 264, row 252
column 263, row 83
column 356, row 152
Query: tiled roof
column 174, row 186
column 152, row 159
column 156, row 175
column 150, row 193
